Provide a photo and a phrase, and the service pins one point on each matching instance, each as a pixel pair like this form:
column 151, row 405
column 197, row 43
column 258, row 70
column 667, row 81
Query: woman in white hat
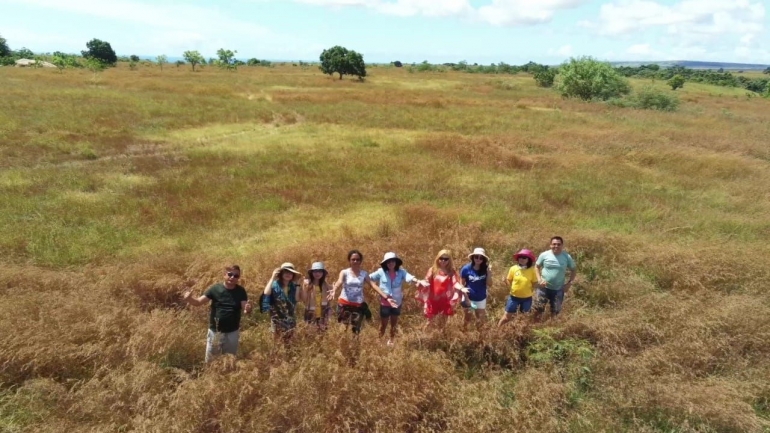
column 390, row 277
column 280, row 298
column 315, row 295
column 476, row 277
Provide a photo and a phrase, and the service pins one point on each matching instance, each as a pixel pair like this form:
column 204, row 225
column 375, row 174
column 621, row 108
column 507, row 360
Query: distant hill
column 698, row 65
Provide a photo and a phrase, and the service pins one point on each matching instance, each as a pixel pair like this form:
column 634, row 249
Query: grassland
column 121, row 190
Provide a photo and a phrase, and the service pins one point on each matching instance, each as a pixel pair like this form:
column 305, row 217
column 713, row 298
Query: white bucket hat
column 391, row 256
column 478, row 252
column 317, row 266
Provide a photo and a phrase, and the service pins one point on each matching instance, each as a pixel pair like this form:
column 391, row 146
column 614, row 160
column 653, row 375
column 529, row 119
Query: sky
column 477, row 31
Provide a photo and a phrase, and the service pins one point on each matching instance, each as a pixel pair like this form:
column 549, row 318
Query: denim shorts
column 548, row 296
column 514, row 304
column 389, row 311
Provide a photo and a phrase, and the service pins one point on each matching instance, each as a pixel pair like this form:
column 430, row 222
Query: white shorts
column 479, row 305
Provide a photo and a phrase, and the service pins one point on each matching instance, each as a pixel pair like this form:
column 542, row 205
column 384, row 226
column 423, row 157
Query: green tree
column 161, row 59
column 24, row 53
column 133, row 58
column 179, row 63
column 100, row 50
column 193, row 58
column 545, row 77
column 60, row 63
column 676, row 82
column 766, row 71
column 227, row 59
column 588, row 79
column 5, row 51
column 340, row 60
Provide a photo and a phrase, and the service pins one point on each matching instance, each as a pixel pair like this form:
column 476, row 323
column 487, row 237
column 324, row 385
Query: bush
column 397, row 64
column 648, row 98
column 589, row 79
column 545, row 77
column 5, row 51
column 676, row 82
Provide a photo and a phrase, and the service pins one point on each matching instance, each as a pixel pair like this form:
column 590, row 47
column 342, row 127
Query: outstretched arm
column 195, row 302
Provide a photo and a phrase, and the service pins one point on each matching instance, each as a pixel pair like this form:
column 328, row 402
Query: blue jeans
column 549, row 296
column 512, row 304
column 218, row 343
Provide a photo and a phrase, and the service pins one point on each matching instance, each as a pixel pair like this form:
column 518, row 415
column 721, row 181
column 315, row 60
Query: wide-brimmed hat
column 478, row 252
column 289, row 267
column 391, row 256
column 524, row 253
column 317, row 266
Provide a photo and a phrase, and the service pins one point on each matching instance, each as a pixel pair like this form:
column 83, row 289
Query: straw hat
column 289, row 267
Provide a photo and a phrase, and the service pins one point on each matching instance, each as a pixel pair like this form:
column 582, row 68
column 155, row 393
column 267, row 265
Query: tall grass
column 120, row 195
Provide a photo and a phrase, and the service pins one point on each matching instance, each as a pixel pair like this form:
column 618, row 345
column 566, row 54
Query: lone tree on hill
column 340, row 60
column 101, row 51
column 161, row 59
column 766, row 71
column 5, row 51
column 588, row 79
column 676, row 82
column 134, row 58
column 227, row 59
column 193, row 58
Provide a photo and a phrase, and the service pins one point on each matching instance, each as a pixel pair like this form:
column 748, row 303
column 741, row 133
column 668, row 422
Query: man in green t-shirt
column 551, row 268
column 227, row 299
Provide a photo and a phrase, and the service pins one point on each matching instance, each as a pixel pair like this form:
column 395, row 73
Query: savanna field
column 122, row 190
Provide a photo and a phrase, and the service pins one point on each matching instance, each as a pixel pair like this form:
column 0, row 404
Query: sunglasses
column 233, row 275
column 443, row 259
column 478, row 258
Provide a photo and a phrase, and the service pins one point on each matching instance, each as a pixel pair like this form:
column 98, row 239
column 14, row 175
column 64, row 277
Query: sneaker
column 390, row 343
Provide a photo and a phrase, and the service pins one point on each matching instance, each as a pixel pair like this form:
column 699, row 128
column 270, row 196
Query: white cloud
column 565, row 51
column 499, row 12
column 684, row 18
column 687, row 28
column 171, row 27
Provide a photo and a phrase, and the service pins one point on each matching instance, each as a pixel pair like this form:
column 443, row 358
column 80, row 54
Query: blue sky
column 483, row 31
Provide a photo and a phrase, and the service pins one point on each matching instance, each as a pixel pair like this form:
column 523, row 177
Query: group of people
column 533, row 282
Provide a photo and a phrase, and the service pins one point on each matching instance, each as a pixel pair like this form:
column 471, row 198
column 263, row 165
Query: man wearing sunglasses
column 227, row 299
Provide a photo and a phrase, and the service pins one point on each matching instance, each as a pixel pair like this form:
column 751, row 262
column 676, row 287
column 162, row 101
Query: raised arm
column 269, row 286
column 195, row 302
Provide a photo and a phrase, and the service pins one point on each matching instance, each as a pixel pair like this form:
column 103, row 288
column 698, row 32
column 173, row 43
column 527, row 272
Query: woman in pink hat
column 522, row 279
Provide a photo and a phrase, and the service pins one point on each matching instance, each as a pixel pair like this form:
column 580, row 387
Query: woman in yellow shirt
column 521, row 278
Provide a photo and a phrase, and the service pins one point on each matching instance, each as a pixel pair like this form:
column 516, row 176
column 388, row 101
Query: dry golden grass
column 120, row 192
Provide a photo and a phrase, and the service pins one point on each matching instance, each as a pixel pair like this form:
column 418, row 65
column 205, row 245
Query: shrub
column 397, row 64
column 589, row 79
column 545, row 77
column 676, row 82
column 648, row 98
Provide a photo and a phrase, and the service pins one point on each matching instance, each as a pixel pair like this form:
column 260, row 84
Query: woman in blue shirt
column 387, row 280
column 475, row 276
